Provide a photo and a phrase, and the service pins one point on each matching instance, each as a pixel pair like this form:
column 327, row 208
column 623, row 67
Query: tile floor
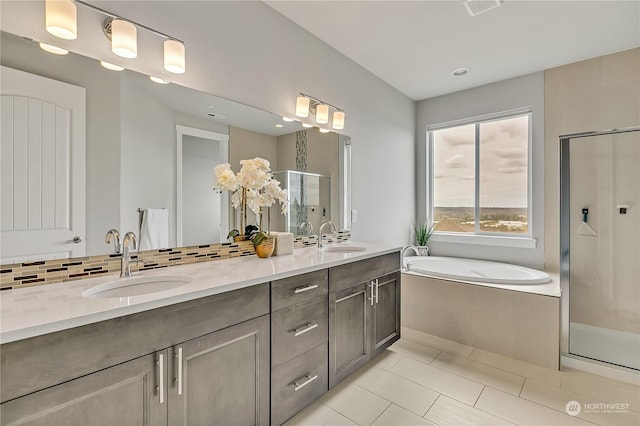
column 426, row 380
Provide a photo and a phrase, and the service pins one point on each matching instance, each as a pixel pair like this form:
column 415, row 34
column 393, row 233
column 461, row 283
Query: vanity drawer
column 289, row 291
column 297, row 383
column 344, row 276
column 297, row 329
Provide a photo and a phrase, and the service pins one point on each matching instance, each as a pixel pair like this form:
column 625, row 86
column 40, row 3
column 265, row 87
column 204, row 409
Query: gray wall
column 526, row 91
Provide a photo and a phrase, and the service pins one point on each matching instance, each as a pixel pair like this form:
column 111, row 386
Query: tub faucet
column 322, row 225
column 129, row 239
column 402, row 262
column 114, row 235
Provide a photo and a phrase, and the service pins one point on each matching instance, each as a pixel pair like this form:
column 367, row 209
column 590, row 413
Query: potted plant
column 423, row 233
column 253, row 187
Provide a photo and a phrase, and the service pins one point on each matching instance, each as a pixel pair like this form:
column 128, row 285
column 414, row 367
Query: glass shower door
column 604, row 241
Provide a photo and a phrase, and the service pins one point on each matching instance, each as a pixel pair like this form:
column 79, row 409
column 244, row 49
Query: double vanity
column 236, row 341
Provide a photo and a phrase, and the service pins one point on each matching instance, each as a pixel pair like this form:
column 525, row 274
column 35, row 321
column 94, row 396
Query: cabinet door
column 126, row 394
column 349, row 316
column 222, row 378
column 386, row 313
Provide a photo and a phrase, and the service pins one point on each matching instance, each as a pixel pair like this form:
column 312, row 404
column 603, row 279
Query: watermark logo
column 573, row 408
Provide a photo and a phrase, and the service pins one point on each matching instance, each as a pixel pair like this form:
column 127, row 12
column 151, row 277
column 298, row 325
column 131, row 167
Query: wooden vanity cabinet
column 212, row 362
column 364, row 313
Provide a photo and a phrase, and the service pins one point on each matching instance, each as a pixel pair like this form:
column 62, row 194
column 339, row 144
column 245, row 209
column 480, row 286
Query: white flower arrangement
column 252, row 185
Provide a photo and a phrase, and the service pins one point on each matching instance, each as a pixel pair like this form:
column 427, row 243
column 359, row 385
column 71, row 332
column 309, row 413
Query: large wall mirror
column 148, row 146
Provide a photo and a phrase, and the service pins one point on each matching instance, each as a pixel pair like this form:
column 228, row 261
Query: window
column 479, row 180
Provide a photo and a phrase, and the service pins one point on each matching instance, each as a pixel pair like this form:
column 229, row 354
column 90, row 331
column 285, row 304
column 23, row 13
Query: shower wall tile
column 596, row 94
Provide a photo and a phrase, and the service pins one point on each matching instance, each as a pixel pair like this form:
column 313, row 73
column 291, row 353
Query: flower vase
column 423, row 250
column 265, row 249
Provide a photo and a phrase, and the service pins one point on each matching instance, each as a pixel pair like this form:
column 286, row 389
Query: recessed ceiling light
column 476, row 7
column 158, row 80
column 279, row 125
column 53, row 49
column 287, row 119
column 324, row 130
column 307, row 125
column 459, row 72
column 112, row 67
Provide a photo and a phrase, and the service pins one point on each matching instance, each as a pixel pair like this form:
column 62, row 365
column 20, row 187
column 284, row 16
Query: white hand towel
column 154, row 231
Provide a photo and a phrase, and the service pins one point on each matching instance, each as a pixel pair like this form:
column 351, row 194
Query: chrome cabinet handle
column 372, row 298
column 299, row 386
column 178, row 380
column 304, row 329
column 305, row 288
column 160, row 387
column 377, row 289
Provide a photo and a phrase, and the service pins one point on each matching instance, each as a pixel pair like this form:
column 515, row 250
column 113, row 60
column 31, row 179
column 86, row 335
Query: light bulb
column 338, row 120
column 307, row 125
column 61, row 19
column 322, row 114
column 124, row 39
column 158, row 80
column 302, row 106
column 324, row 130
column 110, row 66
column 53, row 49
column 174, row 59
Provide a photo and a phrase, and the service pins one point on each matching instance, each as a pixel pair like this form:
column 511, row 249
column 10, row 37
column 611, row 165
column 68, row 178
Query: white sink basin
column 136, row 286
column 344, row 249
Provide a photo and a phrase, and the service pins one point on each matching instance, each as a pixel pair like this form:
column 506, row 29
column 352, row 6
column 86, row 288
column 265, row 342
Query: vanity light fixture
column 61, row 19
column 158, row 80
column 307, row 126
column 123, row 33
column 53, row 49
column 287, row 119
column 321, row 109
column 323, row 130
column 112, row 67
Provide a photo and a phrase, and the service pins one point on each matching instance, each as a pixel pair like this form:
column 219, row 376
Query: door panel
column 225, row 377
column 43, row 168
column 386, row 312
column 348, row 334
column 122, row 395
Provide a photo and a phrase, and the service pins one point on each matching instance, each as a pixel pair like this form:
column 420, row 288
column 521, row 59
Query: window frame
column 524, row 240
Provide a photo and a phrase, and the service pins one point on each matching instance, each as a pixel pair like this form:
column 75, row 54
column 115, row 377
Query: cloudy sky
column 503, row 164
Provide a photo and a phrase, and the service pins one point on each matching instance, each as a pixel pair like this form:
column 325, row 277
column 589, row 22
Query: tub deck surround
column 34, row 311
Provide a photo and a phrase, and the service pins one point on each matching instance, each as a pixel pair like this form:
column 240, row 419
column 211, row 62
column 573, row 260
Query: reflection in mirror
column 132, row 139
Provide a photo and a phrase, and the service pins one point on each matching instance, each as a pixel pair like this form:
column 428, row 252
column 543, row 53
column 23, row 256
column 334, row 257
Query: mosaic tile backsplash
column 19, row 275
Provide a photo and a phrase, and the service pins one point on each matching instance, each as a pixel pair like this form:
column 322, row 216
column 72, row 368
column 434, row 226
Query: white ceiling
column 414, row 45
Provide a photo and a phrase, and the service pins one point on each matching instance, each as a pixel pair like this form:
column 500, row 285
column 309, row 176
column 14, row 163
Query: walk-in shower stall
column 600, row 246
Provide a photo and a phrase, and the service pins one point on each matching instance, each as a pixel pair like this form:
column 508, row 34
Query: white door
column 42, row 169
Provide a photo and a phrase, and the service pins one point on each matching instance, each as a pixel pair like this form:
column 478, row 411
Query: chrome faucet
column 114, row 235
column 322, row 225
column 129, row 239
column 402, row 263
column 303, row 226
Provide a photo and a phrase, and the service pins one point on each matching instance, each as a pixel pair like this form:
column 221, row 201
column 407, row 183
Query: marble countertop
column 34, row 311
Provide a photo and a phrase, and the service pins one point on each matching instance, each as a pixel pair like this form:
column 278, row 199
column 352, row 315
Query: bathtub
column 505, row 309
column 471, row 270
